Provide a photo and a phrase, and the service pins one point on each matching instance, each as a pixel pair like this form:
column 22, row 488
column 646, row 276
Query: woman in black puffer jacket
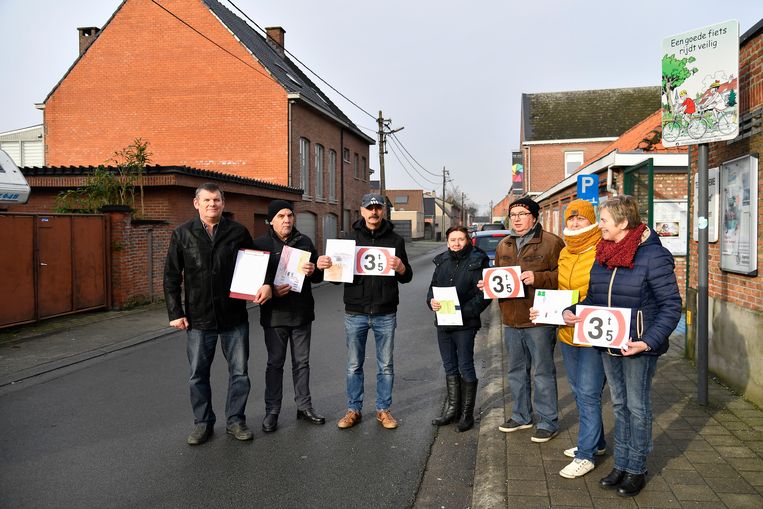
column 460, row 267
column 632, row 270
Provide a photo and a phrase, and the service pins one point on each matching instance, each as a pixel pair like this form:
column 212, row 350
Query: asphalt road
column 111, row 432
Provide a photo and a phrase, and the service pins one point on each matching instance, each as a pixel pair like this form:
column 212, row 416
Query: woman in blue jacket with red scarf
column 632, row 270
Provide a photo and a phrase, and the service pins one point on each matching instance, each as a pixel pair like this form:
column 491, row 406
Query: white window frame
column 572, row 156
column 304, row 166
column 332, row 176
column 319, row 171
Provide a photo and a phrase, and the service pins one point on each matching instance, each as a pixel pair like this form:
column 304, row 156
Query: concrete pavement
column 703, row 456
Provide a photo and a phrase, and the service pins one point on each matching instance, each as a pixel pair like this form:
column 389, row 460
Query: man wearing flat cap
column 287, row 318
column 371, row 304
column 530, row 347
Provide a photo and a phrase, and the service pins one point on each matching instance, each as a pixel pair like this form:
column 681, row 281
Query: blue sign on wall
column 588, row 188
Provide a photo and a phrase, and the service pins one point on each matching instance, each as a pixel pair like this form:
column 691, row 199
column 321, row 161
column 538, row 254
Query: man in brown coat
column 530, row 346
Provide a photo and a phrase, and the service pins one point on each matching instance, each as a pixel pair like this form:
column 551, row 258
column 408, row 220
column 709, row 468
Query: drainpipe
column 288, row 150
column 341, row 180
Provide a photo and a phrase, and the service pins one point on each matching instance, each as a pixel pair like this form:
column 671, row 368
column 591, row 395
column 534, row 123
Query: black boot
column 453, row 405
column 468, row 396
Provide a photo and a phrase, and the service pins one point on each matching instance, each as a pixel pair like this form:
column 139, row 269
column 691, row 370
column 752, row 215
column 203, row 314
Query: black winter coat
column 462, row 269
column 649, row 289
column 376, row 295
column 204, row 269
column 293, row 309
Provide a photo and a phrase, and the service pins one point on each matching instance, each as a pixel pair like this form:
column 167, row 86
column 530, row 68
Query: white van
column 14, row 188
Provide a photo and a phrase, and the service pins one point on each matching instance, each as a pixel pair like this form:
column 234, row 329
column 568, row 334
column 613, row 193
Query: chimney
column 86, row 37
column 276, row 39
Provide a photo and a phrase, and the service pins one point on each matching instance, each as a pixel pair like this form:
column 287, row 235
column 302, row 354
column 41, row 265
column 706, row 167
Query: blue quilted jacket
column 649, row 289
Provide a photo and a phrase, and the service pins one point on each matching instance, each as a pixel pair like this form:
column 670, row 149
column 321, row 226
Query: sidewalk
column 39, row 348
column 703, row 456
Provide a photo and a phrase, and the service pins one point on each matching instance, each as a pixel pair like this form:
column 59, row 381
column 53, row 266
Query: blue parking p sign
column 588, row 188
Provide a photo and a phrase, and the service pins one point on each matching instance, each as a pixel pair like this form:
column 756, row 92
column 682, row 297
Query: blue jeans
column 457, row 352
column 585, row 374
column 201, row 352
column 356, row 328
column 532, row 348
column 630, row 381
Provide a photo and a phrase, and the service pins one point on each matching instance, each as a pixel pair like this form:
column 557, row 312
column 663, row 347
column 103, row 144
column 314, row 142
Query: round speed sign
column 602, row 327
column 371, row 261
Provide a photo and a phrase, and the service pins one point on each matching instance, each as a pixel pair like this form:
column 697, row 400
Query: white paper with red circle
column 502, row 283
column 603, row 326
column 373, row 261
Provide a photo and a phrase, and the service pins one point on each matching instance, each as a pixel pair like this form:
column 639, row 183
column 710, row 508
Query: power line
column 406, row 170
column 406, row 150
column 302, row 63
column 409, row 161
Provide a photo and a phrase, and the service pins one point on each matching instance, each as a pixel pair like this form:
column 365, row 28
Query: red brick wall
column 149, row 76
column 306, row 123
column 544, row 164
column 744, row 291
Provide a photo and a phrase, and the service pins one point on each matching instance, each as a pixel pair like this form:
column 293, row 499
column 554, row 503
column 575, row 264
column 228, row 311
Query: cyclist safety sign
column 602, row 326
column 502, row 283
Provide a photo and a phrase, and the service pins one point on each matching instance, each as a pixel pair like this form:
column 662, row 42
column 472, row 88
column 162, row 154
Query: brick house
column 408, row 211
column 633, row 157
column 501, row 209
column 735, row 297
column 561, row 130
column 207, row 91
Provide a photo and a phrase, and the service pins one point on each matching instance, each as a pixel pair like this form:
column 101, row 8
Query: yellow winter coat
column 574, row 272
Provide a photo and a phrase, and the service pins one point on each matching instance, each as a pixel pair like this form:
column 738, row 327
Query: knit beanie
column 580, row 208
column 276, row 206
column 528, row 204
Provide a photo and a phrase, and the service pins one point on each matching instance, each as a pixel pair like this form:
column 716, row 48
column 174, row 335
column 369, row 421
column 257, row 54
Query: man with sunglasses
column 530, row 346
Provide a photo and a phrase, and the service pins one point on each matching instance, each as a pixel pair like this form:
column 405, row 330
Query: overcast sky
column 450, row 72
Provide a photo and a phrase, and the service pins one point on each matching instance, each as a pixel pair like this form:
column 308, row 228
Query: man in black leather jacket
column 287, row 318
column 200, row 261
column 371, row 304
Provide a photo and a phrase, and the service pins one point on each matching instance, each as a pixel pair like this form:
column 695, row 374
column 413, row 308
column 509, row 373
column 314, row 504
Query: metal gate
column 52, row 265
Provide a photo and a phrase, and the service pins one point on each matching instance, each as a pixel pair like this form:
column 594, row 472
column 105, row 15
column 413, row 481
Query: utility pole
column 442, row 221
column 383, row 132
column 490, row 213
column 463, row 211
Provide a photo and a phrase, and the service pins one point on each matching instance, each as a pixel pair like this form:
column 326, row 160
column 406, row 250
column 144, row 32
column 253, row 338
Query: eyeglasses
column 519, row 215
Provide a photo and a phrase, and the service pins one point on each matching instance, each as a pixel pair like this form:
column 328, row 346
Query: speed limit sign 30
column 602, row 326
column 502, row 283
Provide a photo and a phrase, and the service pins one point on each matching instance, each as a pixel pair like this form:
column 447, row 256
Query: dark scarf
column 620, row 254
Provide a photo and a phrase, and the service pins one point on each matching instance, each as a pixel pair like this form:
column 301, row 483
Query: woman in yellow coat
column 585, row 371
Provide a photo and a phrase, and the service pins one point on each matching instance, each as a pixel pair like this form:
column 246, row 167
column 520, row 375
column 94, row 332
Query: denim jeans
column 201, row 347
column 585, row 374
column 277, row 340
column 529, row 350
column 356, row 328
column 630, row 381
column 457, row 352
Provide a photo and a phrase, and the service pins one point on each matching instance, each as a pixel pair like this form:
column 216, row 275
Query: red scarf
column 620, row 254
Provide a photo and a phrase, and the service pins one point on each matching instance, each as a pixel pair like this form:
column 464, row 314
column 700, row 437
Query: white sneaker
column 570, row 453
column 577, row 468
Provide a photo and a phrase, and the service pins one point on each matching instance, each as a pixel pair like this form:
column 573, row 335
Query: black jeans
column 457, row 352
column 277, row 339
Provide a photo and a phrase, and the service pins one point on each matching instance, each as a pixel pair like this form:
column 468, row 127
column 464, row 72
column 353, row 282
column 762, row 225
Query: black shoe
column 200, row 434
column 613, row 479
column 270, row 423
column 240, row 431
column 309, row 415
column 631, row 485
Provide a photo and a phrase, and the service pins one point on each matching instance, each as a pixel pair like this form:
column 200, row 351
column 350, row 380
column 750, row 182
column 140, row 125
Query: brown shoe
column 386, row 419
column 349, row 420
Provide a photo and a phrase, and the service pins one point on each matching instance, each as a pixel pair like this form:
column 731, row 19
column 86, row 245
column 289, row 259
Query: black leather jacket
column 293, row 309
column 376, row 295
column 204, row 268
column 462, row 269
